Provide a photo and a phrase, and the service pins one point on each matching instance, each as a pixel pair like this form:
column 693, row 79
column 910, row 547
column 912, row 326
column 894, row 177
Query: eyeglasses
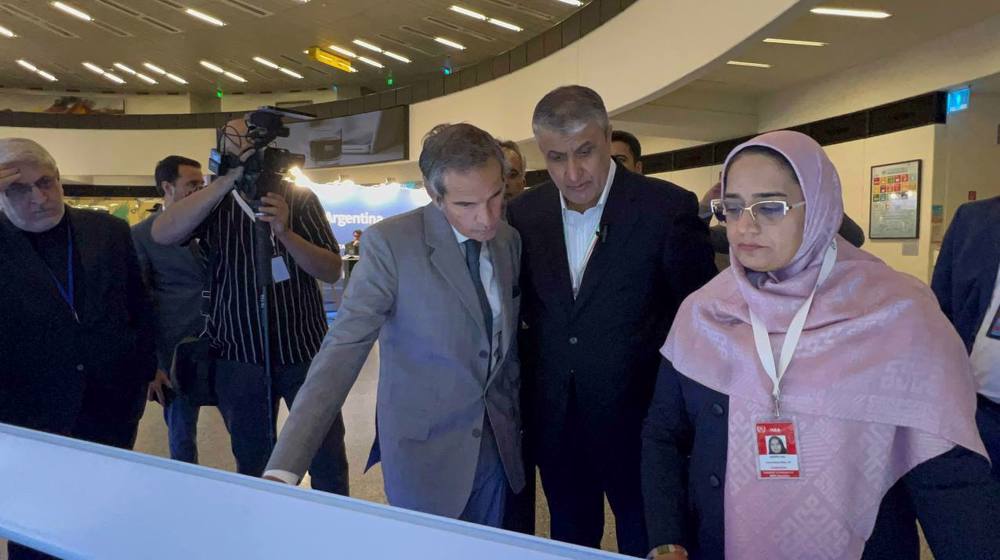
column 765, row 212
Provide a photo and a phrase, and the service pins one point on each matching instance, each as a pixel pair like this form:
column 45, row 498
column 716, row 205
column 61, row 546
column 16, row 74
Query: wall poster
column 895, row 201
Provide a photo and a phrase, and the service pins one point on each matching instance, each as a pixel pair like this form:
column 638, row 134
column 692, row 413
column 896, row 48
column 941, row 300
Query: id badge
column 777, row 448
column 279, row 271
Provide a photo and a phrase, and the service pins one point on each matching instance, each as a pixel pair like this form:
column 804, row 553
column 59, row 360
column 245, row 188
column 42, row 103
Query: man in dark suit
column 607, row 258
column 76, row 347
column 967, row 284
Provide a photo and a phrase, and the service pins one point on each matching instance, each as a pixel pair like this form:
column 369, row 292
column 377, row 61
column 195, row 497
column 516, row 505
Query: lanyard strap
column 763, row 340
column 68, row 292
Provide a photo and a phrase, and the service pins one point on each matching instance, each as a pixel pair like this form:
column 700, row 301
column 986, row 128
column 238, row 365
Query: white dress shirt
column 986, row 351
column 492, row 287
column 582, row 232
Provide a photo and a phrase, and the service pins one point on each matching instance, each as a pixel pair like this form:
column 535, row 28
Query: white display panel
column 78, row 500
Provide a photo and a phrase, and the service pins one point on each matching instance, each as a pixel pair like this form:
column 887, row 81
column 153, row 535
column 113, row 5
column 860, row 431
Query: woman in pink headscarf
column 848, row 364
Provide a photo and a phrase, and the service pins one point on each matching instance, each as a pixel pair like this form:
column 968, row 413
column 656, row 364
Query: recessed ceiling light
column 236, row 77
column 450, row 43
column 124, row 68
column 72, row 11
column 750, row 64
column 27, row 65
column 504, row 24
column 7, row 32
column 572, row 2
column 176, row 78
column 342, row 51
column 93, row 68
column 113, row 78
column 47, row 76
column 398, row 57
column 266, row 62
column 367, row 45
column 371, row 62
column 291, row 73
column 154, row 68
column 213, row 67
column 467, row 12
column 794, row 42
column 848, row 12
column 205, row 17
column 146, row 79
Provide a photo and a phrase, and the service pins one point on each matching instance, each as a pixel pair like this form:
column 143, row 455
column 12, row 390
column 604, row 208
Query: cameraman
column 304, row 246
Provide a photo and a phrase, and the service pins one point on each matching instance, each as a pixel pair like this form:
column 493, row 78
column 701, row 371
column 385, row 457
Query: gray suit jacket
column 413, row 293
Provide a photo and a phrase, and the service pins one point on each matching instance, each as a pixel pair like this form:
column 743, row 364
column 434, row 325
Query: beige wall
column 970, row 153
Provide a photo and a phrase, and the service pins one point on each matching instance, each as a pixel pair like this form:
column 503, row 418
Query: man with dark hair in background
column 626, row 150
column 175, row 277
column 515, row 179
column 304, row 250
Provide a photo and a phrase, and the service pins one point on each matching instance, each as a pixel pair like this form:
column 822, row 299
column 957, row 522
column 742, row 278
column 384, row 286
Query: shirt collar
column 607, row 188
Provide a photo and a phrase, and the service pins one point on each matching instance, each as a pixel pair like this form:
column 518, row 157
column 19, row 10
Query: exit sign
column 958, row 100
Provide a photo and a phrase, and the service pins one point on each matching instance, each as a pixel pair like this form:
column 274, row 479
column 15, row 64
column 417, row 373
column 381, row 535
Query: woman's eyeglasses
column 765, row 212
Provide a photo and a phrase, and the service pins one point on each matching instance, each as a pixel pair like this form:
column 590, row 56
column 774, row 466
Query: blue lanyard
column 68, row 292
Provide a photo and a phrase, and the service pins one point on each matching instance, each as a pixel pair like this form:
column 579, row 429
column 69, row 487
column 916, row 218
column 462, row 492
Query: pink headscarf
column 880, row 381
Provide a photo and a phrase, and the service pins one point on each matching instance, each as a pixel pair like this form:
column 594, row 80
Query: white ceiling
column 136, row 31
column 722, row 102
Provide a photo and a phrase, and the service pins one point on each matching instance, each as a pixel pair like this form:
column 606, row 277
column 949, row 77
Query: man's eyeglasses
column 765, row 212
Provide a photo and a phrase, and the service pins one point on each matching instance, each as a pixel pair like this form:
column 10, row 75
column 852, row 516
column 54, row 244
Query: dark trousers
column 242, row 391
column 988, row 419
column 181, row 418
column 576, row 479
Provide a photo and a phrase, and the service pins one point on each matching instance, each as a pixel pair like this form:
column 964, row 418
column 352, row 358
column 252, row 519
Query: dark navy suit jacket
column 966, row 270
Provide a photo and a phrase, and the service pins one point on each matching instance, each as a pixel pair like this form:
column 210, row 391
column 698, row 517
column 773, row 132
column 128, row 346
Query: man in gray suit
column 437, row 288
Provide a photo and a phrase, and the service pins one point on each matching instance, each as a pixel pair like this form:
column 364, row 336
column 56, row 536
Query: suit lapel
column 446, row 256
column 617, row 221
column 556, row 260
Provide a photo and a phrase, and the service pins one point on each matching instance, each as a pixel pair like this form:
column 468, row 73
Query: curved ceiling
column 161, row 33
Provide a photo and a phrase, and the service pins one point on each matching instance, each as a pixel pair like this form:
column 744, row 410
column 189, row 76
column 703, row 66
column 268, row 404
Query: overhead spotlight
column 154, row 68
column 7, row 32
column 398, row 57
column 47, row 76
column 367, row 45
column 176, row 78
column 124, row 68
column 114, row 78
column 66, row 8
column 572, row 2
column 235, row 77
column 371, row 62
column 504, row 24
column 146, row 79
column 205, row 17
column 213, row 67
column 342, row 51
column 94, row 68
column 266, row 62
column 848, row 12
column 450, row 43
column 27, row 65
column 291, row 73
column 794, row 42
column 467, row 12
column 749, row 64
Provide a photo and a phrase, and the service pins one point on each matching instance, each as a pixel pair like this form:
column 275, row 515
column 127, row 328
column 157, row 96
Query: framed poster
column 895, row 201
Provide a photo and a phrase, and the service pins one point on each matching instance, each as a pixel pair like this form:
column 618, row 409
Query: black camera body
column 264, row 170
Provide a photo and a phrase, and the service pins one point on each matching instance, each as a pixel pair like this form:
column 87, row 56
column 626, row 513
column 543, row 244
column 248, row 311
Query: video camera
column 265, row 169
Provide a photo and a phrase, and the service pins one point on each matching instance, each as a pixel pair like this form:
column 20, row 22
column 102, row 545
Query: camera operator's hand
column 228, row 181
column 274, row 210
